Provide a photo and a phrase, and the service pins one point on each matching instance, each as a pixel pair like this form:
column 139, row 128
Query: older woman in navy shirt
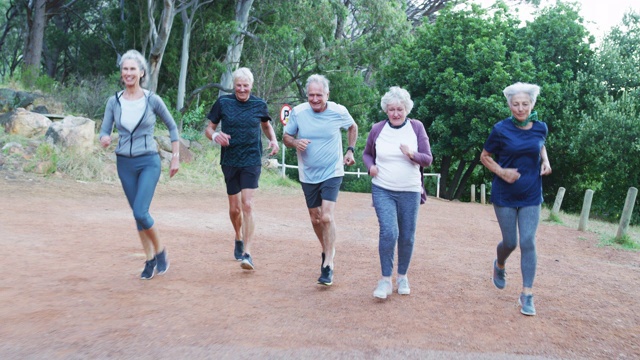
column 516, row 154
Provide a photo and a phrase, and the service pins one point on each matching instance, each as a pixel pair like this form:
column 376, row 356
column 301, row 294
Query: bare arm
column 352, row 137
column 291, row 142
column 545, row 168
column 267, row 129
column 175, row 158
column 219, row 138
column 507, row 174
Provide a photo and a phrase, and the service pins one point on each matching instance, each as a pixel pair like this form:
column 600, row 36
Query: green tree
column 619, row 56
column 455, row 70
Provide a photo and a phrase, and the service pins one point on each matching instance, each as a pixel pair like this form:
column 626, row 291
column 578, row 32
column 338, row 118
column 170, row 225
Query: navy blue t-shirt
column 241, row 120
column 516, row 148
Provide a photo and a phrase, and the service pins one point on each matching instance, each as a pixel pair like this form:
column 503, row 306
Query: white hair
column 319, row 79
column 397, row 95
column 242, row 73
column 530, row 89
column 142, row 64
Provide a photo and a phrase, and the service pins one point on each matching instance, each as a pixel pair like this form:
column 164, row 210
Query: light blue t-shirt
column 322, row 160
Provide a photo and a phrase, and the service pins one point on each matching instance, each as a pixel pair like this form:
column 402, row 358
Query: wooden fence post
column 586, row 209
column 626, row 212
column 482, row 194
column 473, row 193
column 558, row 203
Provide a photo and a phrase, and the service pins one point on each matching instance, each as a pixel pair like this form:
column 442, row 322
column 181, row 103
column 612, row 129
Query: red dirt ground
column 70, row 290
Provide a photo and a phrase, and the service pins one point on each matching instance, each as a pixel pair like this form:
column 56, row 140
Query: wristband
column 352, row 149
column 214, row 136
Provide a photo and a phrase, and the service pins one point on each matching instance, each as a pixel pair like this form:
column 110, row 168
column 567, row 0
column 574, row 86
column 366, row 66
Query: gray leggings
column 525, row 221
column 397, row 213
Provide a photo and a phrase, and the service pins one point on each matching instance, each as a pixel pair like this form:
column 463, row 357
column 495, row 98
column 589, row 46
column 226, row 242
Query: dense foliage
column 454, row 60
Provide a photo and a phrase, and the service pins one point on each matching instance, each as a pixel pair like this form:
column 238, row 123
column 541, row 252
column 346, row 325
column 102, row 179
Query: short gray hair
column 397, row 95
column 142, row 64
column 242, row 73
column 319, row 79
column 530, row 89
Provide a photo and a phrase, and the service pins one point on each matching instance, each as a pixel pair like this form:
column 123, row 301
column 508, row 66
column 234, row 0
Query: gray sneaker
column 383, row 290
column 499, row 276
column 526, row 301
column 247, row 262
column 403, row 286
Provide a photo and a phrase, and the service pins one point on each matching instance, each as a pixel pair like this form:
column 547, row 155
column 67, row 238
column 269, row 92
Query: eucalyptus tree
column 187, row 10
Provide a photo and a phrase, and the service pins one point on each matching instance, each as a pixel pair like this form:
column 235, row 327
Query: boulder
column 26, row 123
column 73, row 132
column 164, row 143
column 7, row 97
column 41, row 109
column 11, row 99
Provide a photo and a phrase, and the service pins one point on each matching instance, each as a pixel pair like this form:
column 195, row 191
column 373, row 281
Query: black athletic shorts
column 326, row 190
column 238, row 178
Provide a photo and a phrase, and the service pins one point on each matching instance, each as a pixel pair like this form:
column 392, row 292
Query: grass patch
column 554, row 218
column 624, row 242
column 606, row 231
column 44, row 161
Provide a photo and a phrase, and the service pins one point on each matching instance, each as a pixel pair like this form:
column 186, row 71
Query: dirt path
column 71, row 259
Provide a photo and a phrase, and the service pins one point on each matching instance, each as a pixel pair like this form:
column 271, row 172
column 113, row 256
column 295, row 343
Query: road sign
column 284, row 114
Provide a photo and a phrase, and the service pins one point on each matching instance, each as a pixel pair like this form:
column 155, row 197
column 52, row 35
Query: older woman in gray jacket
column 133, row 111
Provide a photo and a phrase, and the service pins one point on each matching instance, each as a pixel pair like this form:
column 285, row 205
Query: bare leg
column 328, row 232
column 154, row 240
column 315, row 215
column 235, row 214
column 146, row 244
column 248, row 224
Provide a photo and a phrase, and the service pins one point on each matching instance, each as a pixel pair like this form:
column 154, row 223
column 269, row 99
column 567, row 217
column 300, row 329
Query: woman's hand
column 406, row 150
column 373, row 171
column 509, row 175
column 545, row 168
column 175, row 166
column 105, row 141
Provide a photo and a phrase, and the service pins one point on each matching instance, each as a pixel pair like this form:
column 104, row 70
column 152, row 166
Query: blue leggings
column 397, row 213
column 139, row 177
column 524, row 220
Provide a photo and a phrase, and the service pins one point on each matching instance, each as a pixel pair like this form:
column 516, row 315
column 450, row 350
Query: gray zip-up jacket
column 140, row 140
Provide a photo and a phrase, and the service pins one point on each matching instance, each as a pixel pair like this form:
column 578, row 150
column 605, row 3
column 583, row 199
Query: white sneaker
column 403, row 286
column 383, row 290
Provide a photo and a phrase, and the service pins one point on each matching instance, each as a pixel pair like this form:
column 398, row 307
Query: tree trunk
column 158, row 38
column 444, row 176
column 234, row 50
column 466, row 176
column 184, row 61
column 35, row 40
column 453, row 185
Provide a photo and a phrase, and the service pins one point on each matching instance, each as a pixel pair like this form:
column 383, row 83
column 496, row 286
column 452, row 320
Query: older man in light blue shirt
column 314, row 130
